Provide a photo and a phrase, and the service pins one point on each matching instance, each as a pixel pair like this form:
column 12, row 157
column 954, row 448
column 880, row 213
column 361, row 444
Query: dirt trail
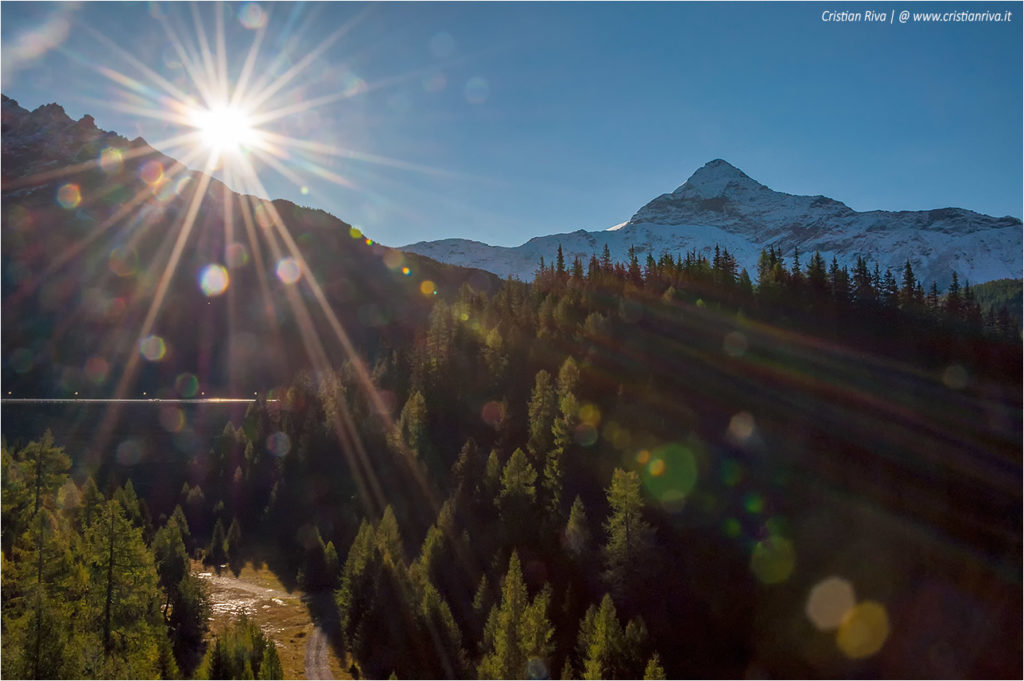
column 304, row 647
column 223, row 582
column 317, row 664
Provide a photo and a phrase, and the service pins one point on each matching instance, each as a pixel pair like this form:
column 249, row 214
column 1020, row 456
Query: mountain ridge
column 90, row 223
column 721, row 205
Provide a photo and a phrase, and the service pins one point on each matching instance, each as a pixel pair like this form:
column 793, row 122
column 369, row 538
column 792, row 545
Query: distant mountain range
column 90, row 222
column 721, row 205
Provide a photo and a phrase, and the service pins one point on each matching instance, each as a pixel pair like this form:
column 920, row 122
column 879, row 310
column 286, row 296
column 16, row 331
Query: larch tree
column 630, row 538
column 517, row 629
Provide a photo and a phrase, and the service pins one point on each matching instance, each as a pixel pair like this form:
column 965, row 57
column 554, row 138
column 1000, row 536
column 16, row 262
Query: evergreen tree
column 242, row 651
column 577, row 533
column 517, row 498
column 954, row 303
column 909, row 284
column 604, row 643
column 628, row 549
column 517, row 629
column 171, row 559
column 216, row 552
column 123, row 595
column 233, row 546
column 46, row 466
column 411, row 429
column 541, row 413
column 654, row 671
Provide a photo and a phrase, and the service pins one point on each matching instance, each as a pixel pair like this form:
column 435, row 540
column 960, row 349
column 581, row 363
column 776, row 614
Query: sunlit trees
column 516, row 501
column 542, row 409
column 630, row 538
column 517, row 630
column 576, row 538
column 242, row 651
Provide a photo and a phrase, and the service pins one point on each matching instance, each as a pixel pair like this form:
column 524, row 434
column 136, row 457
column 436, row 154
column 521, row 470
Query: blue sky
column 504, row 121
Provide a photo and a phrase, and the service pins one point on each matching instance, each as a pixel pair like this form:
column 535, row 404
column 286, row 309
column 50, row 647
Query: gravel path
column 317, row 666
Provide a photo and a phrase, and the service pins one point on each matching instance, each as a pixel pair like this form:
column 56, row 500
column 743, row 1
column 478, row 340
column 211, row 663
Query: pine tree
column 216, row 553
column 577, row 533
column 517, row 498
column 242, row 651
column 605, row 644
column 517, row 629
column 46, row 466
column 411, row 430
column 909, row 284
column 541, row 411
column 233, row 546
column 171, row 559
column 954, row 303
column 628, row 549
column 654, row 671
column 124, row 593
column 189, row 620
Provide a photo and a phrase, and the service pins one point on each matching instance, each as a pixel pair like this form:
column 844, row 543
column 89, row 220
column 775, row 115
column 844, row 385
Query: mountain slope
column 721, row 205
column 91, row 225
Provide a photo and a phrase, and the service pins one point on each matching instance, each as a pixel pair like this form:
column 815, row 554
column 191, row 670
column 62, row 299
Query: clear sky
column 504, row 121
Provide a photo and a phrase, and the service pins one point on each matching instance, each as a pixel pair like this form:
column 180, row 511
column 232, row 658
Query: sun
column 225, row 129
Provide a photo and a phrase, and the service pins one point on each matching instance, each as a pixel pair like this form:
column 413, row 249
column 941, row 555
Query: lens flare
column 288, row 270
column 585, row 435
column 864, row 630
column 734, row 344
column 829, row 602
column 477, row 90
column 153, row 348
column 252, row 16
column 236, row 255
column 187, row 385
column 773, row 560
column 97, row 369
column 671, row 474
column 213, row 280
column 492, row 413
column 262, row 216
column 152, row 173
column 393, row 259
column 69, row 196
column 279, row 444
column 129, row 452
column 427, row 288
column 754, row 503
column 124, row 261
column 172, row 419
column 741, row 427
column 111, row 160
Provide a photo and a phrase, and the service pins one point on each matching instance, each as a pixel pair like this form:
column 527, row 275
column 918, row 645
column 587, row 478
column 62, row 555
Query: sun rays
column 228, row 117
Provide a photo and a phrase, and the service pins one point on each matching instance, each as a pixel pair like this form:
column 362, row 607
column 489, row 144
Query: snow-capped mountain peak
column 714, row 179
column 720, row 205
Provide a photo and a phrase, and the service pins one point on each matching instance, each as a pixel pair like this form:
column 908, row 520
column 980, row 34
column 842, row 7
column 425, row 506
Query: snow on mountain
column 721, row 205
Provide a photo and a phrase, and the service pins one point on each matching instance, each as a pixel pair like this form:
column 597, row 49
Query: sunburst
column 225, row 120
